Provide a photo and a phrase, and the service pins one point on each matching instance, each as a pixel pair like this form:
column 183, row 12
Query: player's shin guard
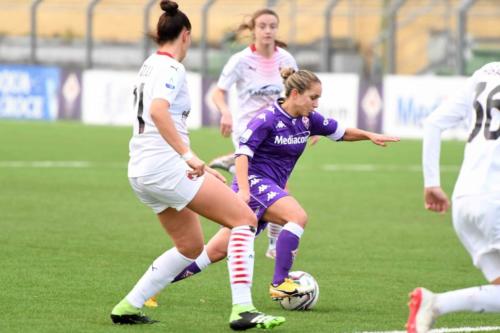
column 240, row 260
column 286, row 248
column 163, row 270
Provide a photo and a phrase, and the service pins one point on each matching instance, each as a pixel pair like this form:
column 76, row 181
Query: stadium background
column 73, row 236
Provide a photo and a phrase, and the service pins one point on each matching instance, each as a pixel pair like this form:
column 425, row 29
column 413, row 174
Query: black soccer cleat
column 132, row 319
column 253, row 318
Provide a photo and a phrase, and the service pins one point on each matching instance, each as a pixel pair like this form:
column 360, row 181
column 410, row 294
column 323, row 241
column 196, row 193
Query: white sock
column 161, row 272
column 476, row 299
column 294, row 228
column 203, row 260
column 273, row 231
column 240, row 259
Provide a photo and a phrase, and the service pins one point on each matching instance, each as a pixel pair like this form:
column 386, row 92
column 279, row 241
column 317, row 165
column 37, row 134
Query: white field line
column 450, row 330
column 384, row 167
column 59, row 164
column 325, row 167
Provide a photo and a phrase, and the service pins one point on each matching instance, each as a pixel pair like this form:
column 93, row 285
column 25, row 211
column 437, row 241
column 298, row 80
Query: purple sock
column 187, row 272
column 286, row 246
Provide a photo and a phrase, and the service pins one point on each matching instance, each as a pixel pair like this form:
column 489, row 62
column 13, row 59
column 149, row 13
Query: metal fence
column 366, row 36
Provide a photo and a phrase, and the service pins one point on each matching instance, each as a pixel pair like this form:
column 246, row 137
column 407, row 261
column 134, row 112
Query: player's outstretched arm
column 436, row 199
column 356, row 134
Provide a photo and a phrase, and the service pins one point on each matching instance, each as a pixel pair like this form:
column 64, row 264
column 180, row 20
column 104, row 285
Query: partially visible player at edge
column 269, row 149
column 476, row 198
column 255, row 72
column 169, row 178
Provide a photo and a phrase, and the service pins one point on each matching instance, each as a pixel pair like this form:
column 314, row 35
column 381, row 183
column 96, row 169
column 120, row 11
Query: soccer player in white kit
column 255, row 71
column 476, row 198
column 169, row 178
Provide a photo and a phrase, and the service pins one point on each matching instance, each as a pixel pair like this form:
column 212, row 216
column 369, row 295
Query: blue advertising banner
column 29, row 92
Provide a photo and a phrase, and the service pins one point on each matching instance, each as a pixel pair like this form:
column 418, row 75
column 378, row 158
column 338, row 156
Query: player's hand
column 197, row 166
column 380, row 139
column 436, row 200
column 314, row 139
column 226, row 125
column 216, row 173
column 244, row 195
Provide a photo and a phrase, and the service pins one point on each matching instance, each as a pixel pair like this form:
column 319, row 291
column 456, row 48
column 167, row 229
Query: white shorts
column 476, row 219
column 167, row 189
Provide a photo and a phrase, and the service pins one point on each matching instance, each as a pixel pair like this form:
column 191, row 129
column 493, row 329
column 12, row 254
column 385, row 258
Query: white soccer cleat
column 222, row 162
column 271, row 253
column 422, row 313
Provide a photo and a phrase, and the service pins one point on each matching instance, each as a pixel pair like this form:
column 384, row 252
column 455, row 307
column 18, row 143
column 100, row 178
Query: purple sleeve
column 321, row 125
column 258, row 129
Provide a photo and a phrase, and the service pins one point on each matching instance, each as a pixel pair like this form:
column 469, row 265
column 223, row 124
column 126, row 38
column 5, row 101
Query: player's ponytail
column 300, row 80
column 170, row 23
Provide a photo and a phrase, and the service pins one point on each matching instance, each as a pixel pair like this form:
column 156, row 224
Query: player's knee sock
column 273, row 231
column 476, row 299
column 286, row 248
column 161, row 272
column 197, row 266
column 240, row 260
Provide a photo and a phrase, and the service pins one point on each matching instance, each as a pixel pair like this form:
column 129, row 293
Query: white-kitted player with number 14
column 476, row 198
column 169, row 178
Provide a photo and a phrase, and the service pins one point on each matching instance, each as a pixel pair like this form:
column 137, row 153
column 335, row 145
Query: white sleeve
column 168, row 84
column 230, row 73
column 291, row 61
column 449, row 114
column 244, row 150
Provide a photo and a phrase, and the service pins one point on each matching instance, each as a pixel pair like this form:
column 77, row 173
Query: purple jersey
column 274, row 141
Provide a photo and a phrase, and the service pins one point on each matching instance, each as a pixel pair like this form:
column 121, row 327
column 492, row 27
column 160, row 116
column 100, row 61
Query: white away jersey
column 162, row 77
column 478, row 103
column 258, row 82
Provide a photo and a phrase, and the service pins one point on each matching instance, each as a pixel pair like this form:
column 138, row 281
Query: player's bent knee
column 217, row 254
column 301, row 219
column 489, row 263
column 246, row 218
column 191, row 251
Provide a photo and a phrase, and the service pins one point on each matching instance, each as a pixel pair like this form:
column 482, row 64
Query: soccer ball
column 304, row 302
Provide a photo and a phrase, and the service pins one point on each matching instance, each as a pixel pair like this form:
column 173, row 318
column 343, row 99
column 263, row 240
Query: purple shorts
column 263, row 193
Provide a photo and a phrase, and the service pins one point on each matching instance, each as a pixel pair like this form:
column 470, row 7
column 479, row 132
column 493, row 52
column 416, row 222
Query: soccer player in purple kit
column 268, row 151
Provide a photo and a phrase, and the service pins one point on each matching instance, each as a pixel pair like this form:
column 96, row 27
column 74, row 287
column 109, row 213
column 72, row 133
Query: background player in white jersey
column 168, row 177
column 255, row 71
column 476, row 197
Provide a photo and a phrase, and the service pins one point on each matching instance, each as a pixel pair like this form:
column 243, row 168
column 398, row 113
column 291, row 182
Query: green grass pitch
column 74, row 240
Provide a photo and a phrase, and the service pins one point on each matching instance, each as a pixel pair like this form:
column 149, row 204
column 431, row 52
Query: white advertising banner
column 339, row 98
column 107, row 98
column 408, row 100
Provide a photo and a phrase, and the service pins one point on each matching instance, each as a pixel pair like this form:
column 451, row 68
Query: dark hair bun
column 169, row 7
